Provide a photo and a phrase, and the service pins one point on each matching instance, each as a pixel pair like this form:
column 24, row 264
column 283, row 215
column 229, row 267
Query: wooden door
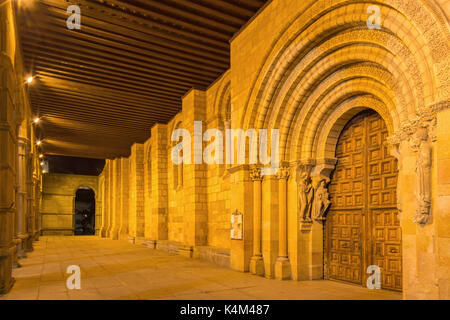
column 362, row 226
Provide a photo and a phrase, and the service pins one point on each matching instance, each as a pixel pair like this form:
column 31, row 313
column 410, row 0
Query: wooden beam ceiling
column 100, row 89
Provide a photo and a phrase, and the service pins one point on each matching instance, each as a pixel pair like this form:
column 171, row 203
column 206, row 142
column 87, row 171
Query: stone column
column 282, row 265
column 116, row 197
column 194, row 175
column 156, row 221
column 7, row 159
column 124, row 182
column 256, row 262
column 30, row 202
column 22, row 227
column 106, row 201
column 36, row 206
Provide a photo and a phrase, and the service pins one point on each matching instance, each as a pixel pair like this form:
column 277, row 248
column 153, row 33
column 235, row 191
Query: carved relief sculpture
column 420, row 134
column 321, row 199
column 421, row 144
column 305, row 193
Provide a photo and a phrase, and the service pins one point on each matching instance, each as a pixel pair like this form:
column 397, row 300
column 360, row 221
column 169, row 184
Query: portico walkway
column 120, row 270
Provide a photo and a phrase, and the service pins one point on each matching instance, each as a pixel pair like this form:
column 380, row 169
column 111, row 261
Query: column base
column 28, row 244
column 282, row 268
column 257, row 265
column 6, row 264
column 114, row 235
column 150, row 244
column 19, row 253
column 123, row 235
column 6, row 287
column 139, row 241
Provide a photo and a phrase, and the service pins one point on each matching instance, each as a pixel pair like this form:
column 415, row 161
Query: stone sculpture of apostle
column 421, row 144
column 321, row 199
column 305, row 193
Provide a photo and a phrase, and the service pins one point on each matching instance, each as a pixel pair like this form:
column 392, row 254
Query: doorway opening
column 84, row 212
column 362, row 227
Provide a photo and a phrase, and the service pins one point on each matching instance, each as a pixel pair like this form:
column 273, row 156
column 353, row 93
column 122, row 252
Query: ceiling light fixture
column 30, row 79
column 36, row 120
column 38, row 143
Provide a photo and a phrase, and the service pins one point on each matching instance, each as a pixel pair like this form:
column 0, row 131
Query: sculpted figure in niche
column 422, row 145
column 321, row 199
column 305, row 194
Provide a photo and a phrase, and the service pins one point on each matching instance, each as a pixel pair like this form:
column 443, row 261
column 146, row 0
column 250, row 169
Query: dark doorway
column 84, row 212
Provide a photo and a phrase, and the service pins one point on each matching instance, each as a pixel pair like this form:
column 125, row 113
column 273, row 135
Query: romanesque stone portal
column 363, row 227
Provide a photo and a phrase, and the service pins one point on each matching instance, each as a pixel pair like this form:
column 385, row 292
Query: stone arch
column 333, row 125
column 222, row 99
column 177, row 170
column 401, row 61
column 87, row 185
column 97, row 206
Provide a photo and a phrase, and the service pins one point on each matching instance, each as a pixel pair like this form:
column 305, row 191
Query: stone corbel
column 320, row 177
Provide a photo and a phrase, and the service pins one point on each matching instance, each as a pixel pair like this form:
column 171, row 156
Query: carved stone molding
column 424, row 120
column 440, row 106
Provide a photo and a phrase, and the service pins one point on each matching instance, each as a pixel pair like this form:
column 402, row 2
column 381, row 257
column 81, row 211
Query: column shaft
column 282, row 265
column 257, row 263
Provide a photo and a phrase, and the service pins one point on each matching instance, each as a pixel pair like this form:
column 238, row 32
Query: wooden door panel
column 362, row 226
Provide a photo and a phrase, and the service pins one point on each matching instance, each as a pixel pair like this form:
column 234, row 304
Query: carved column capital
column 255, row 173
column 425, row 120
column 283, row 173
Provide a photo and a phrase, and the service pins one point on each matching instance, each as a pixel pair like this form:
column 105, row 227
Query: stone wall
column 20, row 174
column 304, row 68
column 58, row 202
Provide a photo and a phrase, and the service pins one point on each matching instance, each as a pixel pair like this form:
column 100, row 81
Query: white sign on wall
column 236, row 226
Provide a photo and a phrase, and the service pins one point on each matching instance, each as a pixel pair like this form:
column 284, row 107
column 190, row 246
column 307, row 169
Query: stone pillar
column 136, row 215
column 35, row 208
column 257, row 263
column 22, row 228
column 418, row 146
column 241, row 251
column 156, row 225
column 8, row 155
column 30, row 201
column 106, row 201
column 124, row 211
column 116, row 197
column 441, row 212
column 195, row 216
column 282, row 265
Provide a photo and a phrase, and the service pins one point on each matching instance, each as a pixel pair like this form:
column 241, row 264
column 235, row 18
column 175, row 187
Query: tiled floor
column 120, row 270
